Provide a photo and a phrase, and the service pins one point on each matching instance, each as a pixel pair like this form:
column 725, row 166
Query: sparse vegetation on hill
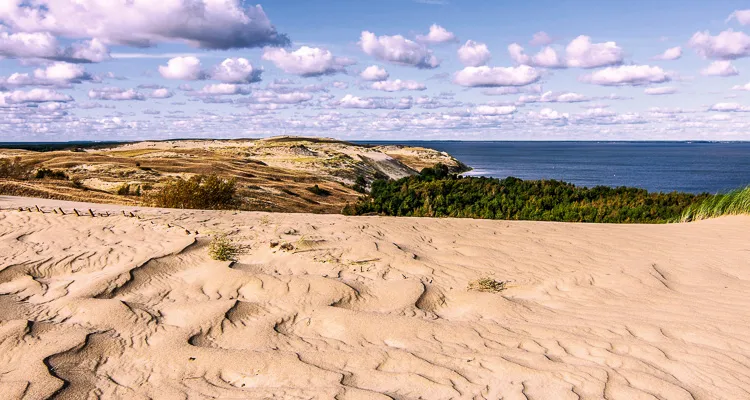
column 438, row 193
column 15, row 168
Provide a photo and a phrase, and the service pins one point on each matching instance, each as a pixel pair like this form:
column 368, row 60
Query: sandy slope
column 369, row 308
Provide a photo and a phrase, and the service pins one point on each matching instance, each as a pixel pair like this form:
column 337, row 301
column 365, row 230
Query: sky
column 74, row 70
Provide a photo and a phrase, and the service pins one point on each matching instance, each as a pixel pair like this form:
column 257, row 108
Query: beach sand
column 368, row 307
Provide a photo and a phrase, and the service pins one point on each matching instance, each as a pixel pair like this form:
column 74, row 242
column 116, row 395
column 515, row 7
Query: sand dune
column 369, row 308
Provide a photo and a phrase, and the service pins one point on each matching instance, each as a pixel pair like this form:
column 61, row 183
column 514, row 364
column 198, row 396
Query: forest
column 436, row 192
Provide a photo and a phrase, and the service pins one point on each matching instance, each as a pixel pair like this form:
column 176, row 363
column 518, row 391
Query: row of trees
column 438, row 193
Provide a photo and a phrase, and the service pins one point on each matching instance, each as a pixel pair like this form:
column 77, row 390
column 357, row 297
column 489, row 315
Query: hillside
column 273, row 174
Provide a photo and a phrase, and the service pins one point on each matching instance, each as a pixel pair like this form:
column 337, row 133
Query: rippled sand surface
column 368, row 308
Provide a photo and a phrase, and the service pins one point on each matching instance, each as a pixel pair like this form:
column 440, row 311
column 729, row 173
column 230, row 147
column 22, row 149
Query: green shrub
column 317, row 190
column 199, row 192
column 123, row 190
column 732, row 203
column 222, row 249
column 14, row 169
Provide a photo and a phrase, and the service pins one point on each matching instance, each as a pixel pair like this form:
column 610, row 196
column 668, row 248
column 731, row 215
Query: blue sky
column 502, row 70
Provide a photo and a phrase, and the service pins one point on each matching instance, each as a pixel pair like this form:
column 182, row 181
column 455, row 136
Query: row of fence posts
column 60, row 211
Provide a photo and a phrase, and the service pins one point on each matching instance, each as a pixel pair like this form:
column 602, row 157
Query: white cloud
column 161, row 93
column 584, row 54
column 236, row 70
column 742, row 16
column 306, row 61
column 61, row 72
column 727, row 45
column 398, row 85
column 284, row 98
column 720, row 68
column 496, row 76
column 374, row 73
column 627, row 75
column 580, row 53
column 207, row 24
column 540, row 38
column 745, row 87
column 552, row 115
column 555, row 97
column 729, row 107
column 491, row 110
column 437, row 35
column 351, row 101
column 223, row 89
column 473, row 54
column 183, row 68
column 32, row 96
column 398, row 50
column 660, row 90
column 115, row 94
column 340, row 85
column 672, row 53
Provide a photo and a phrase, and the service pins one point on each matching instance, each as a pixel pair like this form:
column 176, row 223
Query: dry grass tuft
column 222, row 248
column 488, row 285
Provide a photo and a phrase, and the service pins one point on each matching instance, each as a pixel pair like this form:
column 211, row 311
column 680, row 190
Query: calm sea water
column 657, row 166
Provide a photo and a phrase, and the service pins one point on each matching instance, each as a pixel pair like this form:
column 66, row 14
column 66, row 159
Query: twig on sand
column 92, row 213
column 76, row 211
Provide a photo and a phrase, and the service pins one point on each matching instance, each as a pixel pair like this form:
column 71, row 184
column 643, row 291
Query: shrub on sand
column 487, row 285
column 222, row 249
column 199, row 192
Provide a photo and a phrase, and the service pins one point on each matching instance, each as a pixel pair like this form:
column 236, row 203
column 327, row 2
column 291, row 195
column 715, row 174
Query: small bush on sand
column 222, row 249
column 14, row 169
column 127, row 190
column 487, row 285
column 42, row 173
column 199, row 192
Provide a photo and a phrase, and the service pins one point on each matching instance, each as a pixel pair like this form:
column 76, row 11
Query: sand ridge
column 369, row 307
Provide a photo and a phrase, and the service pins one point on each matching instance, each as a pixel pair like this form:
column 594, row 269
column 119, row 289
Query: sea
column 693, row 167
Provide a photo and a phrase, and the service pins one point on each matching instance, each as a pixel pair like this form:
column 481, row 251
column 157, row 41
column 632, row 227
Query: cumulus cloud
column 720, row 68
column 672, row 53
column 44, row 45
column 236, row 70
column 58, row 74
column 270, row 97
column 351, row 101
column 555, row 97
column 161, row 93
column 398, row 85
column 207, row 24
column 398, row 50
column 306, row 61
column 729, row 107
column 223, row 89
column 742, row 16
column 727, row 45
column 496, row 76
column 183, row 68
column 540, row 38
column 437, row 35
column 32, row 96
column 494, row 110
column 580, row 53
column 660, row 90
column 633, row 75
column 745, row 87
column 374, row 73
column 115, row 94
column 473, row 54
